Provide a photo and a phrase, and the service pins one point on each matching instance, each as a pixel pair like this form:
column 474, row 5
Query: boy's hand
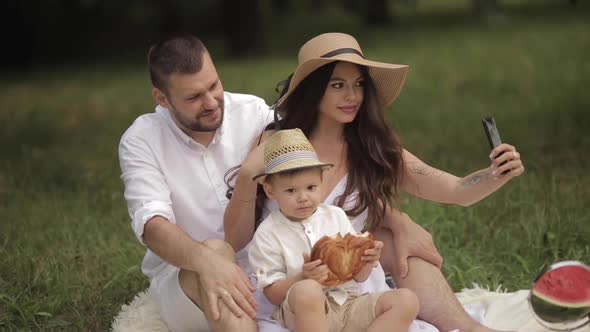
column 314, row 270
column 373, row 255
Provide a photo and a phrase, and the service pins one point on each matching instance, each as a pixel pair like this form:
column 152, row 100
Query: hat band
column 287, row 157
column 342, row 51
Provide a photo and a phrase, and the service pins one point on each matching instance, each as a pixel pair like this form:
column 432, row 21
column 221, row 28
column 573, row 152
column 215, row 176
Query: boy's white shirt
column 376, row 281
column 276, row 252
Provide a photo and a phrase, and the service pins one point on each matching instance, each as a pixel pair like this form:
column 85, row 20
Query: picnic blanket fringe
column 497, row 308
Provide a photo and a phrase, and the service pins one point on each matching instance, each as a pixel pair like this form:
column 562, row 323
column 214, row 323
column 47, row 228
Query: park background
column 74, row 78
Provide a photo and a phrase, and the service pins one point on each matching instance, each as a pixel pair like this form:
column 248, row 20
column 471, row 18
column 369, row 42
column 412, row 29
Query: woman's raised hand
column 506, row 162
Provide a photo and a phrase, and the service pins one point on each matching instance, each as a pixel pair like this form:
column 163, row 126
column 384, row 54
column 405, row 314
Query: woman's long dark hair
column 374, row 151
column 374, row 159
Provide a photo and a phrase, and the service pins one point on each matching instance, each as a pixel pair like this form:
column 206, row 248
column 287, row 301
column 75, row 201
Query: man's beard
column 196, row 124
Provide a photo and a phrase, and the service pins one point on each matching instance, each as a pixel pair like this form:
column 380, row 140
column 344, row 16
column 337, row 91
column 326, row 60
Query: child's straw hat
column 288, row 150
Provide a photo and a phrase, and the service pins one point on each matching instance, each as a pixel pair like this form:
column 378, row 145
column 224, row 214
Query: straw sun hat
column 329, row 47
column 288, row 150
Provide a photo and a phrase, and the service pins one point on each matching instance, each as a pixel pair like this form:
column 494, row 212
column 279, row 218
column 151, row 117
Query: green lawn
column 68, row 257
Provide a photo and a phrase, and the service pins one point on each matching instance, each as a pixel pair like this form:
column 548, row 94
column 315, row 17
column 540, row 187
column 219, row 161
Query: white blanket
column 496, row 309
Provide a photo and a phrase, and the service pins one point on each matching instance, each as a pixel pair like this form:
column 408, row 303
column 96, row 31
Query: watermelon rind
column 557, row 313
column 556, row 302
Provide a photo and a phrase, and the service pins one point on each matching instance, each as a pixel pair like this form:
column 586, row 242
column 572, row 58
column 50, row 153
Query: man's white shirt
column 168, row 174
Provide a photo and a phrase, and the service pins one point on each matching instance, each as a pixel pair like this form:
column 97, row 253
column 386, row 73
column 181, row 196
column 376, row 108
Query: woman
column 338, row 98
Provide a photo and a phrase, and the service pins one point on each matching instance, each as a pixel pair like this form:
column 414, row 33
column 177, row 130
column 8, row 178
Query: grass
column 68, row 258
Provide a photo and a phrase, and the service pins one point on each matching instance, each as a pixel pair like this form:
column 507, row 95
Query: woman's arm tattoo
column 477, row 178
column 421, row 169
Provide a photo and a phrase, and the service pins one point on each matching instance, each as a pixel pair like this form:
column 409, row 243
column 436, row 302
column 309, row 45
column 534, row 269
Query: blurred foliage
column 41, row 32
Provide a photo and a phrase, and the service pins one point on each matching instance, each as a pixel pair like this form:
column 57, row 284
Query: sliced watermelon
column 562, row 294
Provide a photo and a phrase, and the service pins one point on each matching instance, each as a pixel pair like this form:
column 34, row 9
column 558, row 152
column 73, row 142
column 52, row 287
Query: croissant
column 342, row 255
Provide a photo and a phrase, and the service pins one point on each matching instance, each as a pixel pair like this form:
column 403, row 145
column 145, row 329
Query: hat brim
column 260, row 177
column 388, row 78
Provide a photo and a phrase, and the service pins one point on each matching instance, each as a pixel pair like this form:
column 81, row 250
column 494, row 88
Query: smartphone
column 489, row 126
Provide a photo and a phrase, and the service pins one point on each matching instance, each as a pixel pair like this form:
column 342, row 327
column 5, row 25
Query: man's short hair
column 176, row 54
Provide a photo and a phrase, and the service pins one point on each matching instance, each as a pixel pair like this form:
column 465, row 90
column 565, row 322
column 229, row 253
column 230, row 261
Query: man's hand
column 314, row 270
column 410, row 239
column 225, row 280
column 218, row 276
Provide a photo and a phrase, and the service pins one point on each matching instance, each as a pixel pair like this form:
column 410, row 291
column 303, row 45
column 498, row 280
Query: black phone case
column 489, row 126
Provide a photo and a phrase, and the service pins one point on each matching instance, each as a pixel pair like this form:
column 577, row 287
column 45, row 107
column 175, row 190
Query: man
column 173, row 164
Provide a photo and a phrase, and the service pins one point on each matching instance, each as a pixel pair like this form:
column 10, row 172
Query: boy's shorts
column 355, row 314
